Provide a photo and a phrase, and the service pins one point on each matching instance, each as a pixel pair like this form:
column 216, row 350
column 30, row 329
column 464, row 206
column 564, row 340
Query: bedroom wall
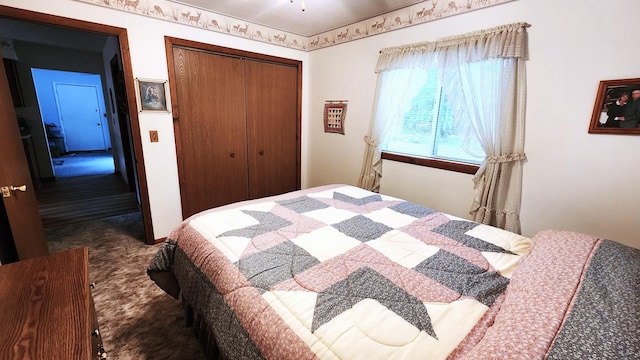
column 148, row 58
column 572, row 180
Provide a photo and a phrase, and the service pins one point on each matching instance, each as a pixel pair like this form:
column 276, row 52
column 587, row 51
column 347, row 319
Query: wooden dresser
column 46, row 309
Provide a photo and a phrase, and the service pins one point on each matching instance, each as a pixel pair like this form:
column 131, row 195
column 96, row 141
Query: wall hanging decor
column 152, row 94
column 617, row 108
column 334, row 115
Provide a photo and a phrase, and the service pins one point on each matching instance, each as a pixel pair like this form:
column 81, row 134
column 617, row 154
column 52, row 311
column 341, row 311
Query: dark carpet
column 137, row 319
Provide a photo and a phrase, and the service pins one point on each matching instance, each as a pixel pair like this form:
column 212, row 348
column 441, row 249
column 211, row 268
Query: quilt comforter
column 337, row 272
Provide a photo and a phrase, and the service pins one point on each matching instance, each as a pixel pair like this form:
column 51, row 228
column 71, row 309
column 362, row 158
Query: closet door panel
column 210, row 129
column 272, row 128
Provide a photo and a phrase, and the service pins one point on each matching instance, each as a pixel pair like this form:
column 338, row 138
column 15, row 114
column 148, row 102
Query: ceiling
column 319, row 16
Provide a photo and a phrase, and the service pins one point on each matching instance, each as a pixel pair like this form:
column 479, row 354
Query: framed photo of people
column 152, row 95
column 617, row 108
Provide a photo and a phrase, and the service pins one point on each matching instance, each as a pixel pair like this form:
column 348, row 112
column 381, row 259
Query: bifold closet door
column 272, row 108
column 211, row 139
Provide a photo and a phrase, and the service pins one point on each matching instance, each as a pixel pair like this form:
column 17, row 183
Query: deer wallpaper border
column 197, row 17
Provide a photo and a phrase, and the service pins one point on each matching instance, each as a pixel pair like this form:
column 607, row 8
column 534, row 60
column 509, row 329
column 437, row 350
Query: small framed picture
column 334, row 115
column 152, row 95
column 617, row 108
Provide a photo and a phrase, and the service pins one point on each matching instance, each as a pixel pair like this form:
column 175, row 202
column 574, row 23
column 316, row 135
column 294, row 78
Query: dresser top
column 45, row 312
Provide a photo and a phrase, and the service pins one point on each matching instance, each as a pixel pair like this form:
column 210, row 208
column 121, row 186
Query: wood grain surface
column 45, row 312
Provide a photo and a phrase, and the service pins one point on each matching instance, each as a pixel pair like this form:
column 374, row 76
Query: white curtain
column 401, row 74
column 483, row 76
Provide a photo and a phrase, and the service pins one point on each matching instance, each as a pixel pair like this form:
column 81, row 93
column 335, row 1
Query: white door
column 80, row 117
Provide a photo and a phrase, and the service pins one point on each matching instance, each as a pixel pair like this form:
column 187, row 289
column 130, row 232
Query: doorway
column 77, row 130
column 38, row 23
column 81, row 116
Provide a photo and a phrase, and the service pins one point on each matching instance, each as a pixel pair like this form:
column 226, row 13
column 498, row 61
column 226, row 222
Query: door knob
column 22, row 188
column 6, row 190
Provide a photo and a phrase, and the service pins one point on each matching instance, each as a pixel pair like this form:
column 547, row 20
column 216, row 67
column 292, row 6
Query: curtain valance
column 499, row 42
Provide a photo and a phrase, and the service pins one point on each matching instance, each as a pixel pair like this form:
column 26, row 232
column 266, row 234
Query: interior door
column 272, row 108
column 21, row 206
column 80, row 116
column 210, row 129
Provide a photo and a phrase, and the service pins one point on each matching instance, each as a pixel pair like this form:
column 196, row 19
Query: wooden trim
column 158, row 241
column 125, row 56
column 229, row 51
column 14, row 82
column 434, row 163
column 175, row 107
column 299, row 124
column 136, row 136
column 27, row 15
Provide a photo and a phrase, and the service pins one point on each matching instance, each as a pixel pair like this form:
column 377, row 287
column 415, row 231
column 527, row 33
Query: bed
column 338, row 272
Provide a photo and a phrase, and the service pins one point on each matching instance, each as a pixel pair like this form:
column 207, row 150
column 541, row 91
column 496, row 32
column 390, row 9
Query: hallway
column 82, row 198
column 83, row 163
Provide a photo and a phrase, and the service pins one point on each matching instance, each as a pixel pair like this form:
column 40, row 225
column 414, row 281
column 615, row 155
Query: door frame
column 123, row 40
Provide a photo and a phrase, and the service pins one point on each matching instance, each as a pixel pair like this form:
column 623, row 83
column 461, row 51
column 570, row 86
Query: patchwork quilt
column 337, row 272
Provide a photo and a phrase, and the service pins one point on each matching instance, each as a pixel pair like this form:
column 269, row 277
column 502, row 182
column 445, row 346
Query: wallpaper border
column 176, row 12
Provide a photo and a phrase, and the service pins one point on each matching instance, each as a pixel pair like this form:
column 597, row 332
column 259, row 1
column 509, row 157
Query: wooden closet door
column 272, row 128
column 210, row 129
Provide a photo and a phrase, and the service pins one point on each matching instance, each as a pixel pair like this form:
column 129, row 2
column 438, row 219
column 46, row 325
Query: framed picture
column 334, row 115
column 152, row 95
column 617, row 108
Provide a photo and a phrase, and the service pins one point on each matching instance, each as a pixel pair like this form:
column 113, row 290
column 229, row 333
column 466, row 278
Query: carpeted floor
column 137, row 319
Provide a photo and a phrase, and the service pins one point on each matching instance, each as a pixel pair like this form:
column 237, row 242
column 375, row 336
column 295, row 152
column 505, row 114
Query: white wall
column 148, row 59
column 572, row 180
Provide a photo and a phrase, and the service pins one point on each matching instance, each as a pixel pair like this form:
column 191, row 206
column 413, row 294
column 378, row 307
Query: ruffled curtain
column 483, row 76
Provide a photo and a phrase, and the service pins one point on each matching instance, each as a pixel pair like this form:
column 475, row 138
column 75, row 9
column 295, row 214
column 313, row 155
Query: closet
column 237, row 124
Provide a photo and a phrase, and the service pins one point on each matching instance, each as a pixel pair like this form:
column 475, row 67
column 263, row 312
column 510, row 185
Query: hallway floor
column 82, row 198
column 83, row 164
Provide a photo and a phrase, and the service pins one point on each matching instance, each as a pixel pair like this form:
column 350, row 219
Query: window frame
column 460, row 167
column 433, row 162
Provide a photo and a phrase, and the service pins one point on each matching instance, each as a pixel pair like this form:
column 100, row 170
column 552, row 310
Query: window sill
column 438, row 164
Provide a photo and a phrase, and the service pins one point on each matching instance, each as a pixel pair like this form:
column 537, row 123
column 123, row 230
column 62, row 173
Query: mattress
column 338, row 272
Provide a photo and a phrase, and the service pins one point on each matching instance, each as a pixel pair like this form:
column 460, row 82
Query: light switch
column 153, row 135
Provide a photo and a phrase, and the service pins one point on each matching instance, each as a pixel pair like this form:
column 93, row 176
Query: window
column 481, row 95
column 428, row 129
